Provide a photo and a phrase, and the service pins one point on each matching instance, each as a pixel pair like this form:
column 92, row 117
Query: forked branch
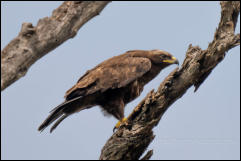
column 130, row 141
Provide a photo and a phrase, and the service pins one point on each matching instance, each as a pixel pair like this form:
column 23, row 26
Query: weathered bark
column 32, row 43
column 131, row 140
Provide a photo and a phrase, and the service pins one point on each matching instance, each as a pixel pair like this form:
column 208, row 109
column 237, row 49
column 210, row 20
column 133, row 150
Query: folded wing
column 113, row 73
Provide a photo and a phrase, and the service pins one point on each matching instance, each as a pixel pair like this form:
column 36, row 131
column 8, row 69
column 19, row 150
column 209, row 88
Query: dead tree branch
column 130, row 141
column 32, row 43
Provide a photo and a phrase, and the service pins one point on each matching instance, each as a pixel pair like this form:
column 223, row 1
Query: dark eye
column 165, row 57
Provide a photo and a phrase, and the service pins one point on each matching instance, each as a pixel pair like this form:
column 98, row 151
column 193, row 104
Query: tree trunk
column 130, row 141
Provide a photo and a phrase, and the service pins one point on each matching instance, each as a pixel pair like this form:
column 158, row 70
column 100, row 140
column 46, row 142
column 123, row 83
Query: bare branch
column 131, row 140
column 32, row 43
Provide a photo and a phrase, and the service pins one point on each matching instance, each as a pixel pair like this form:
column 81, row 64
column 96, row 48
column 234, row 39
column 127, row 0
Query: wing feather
column 113, row 73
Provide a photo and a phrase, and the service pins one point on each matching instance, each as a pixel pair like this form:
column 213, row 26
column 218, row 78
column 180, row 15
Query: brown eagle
column 111, row 84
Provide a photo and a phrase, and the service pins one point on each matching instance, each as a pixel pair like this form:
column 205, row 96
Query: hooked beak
column 173, row 60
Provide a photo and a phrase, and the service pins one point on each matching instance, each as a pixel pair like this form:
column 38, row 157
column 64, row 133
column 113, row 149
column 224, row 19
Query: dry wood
column 33, row 42
column 130, row 141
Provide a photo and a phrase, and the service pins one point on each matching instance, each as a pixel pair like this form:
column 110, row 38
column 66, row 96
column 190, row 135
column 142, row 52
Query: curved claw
column 114, row 129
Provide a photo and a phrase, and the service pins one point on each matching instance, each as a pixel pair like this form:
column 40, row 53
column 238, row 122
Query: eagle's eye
column 165, row 57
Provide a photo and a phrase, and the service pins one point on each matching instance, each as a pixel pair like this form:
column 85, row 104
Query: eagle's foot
column 120, row 123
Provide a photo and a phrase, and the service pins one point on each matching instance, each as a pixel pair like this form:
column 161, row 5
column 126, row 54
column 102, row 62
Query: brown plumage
column 111, row 84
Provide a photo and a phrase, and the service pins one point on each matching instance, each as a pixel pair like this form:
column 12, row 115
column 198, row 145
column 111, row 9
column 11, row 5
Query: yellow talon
column 119, row 123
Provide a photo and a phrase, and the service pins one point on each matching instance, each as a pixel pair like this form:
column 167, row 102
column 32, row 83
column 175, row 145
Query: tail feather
column 64, row 103
column 61, row 112
column 51, row 118
column 59, row 121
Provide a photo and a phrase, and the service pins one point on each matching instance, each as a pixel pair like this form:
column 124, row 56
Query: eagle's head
column 162, row 57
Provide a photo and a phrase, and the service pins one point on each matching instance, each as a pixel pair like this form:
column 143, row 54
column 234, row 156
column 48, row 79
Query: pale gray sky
column 201, row 125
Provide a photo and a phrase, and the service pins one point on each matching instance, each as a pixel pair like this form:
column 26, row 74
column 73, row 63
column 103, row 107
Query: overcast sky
column 201, row 125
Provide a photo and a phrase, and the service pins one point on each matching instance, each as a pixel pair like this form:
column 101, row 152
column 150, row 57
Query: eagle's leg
column 115, row 106
column 120, row 114
column 120, row 123
column 124, row 120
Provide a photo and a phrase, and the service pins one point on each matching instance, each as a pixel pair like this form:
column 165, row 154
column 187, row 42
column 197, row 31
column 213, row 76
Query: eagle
column 111, row 85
